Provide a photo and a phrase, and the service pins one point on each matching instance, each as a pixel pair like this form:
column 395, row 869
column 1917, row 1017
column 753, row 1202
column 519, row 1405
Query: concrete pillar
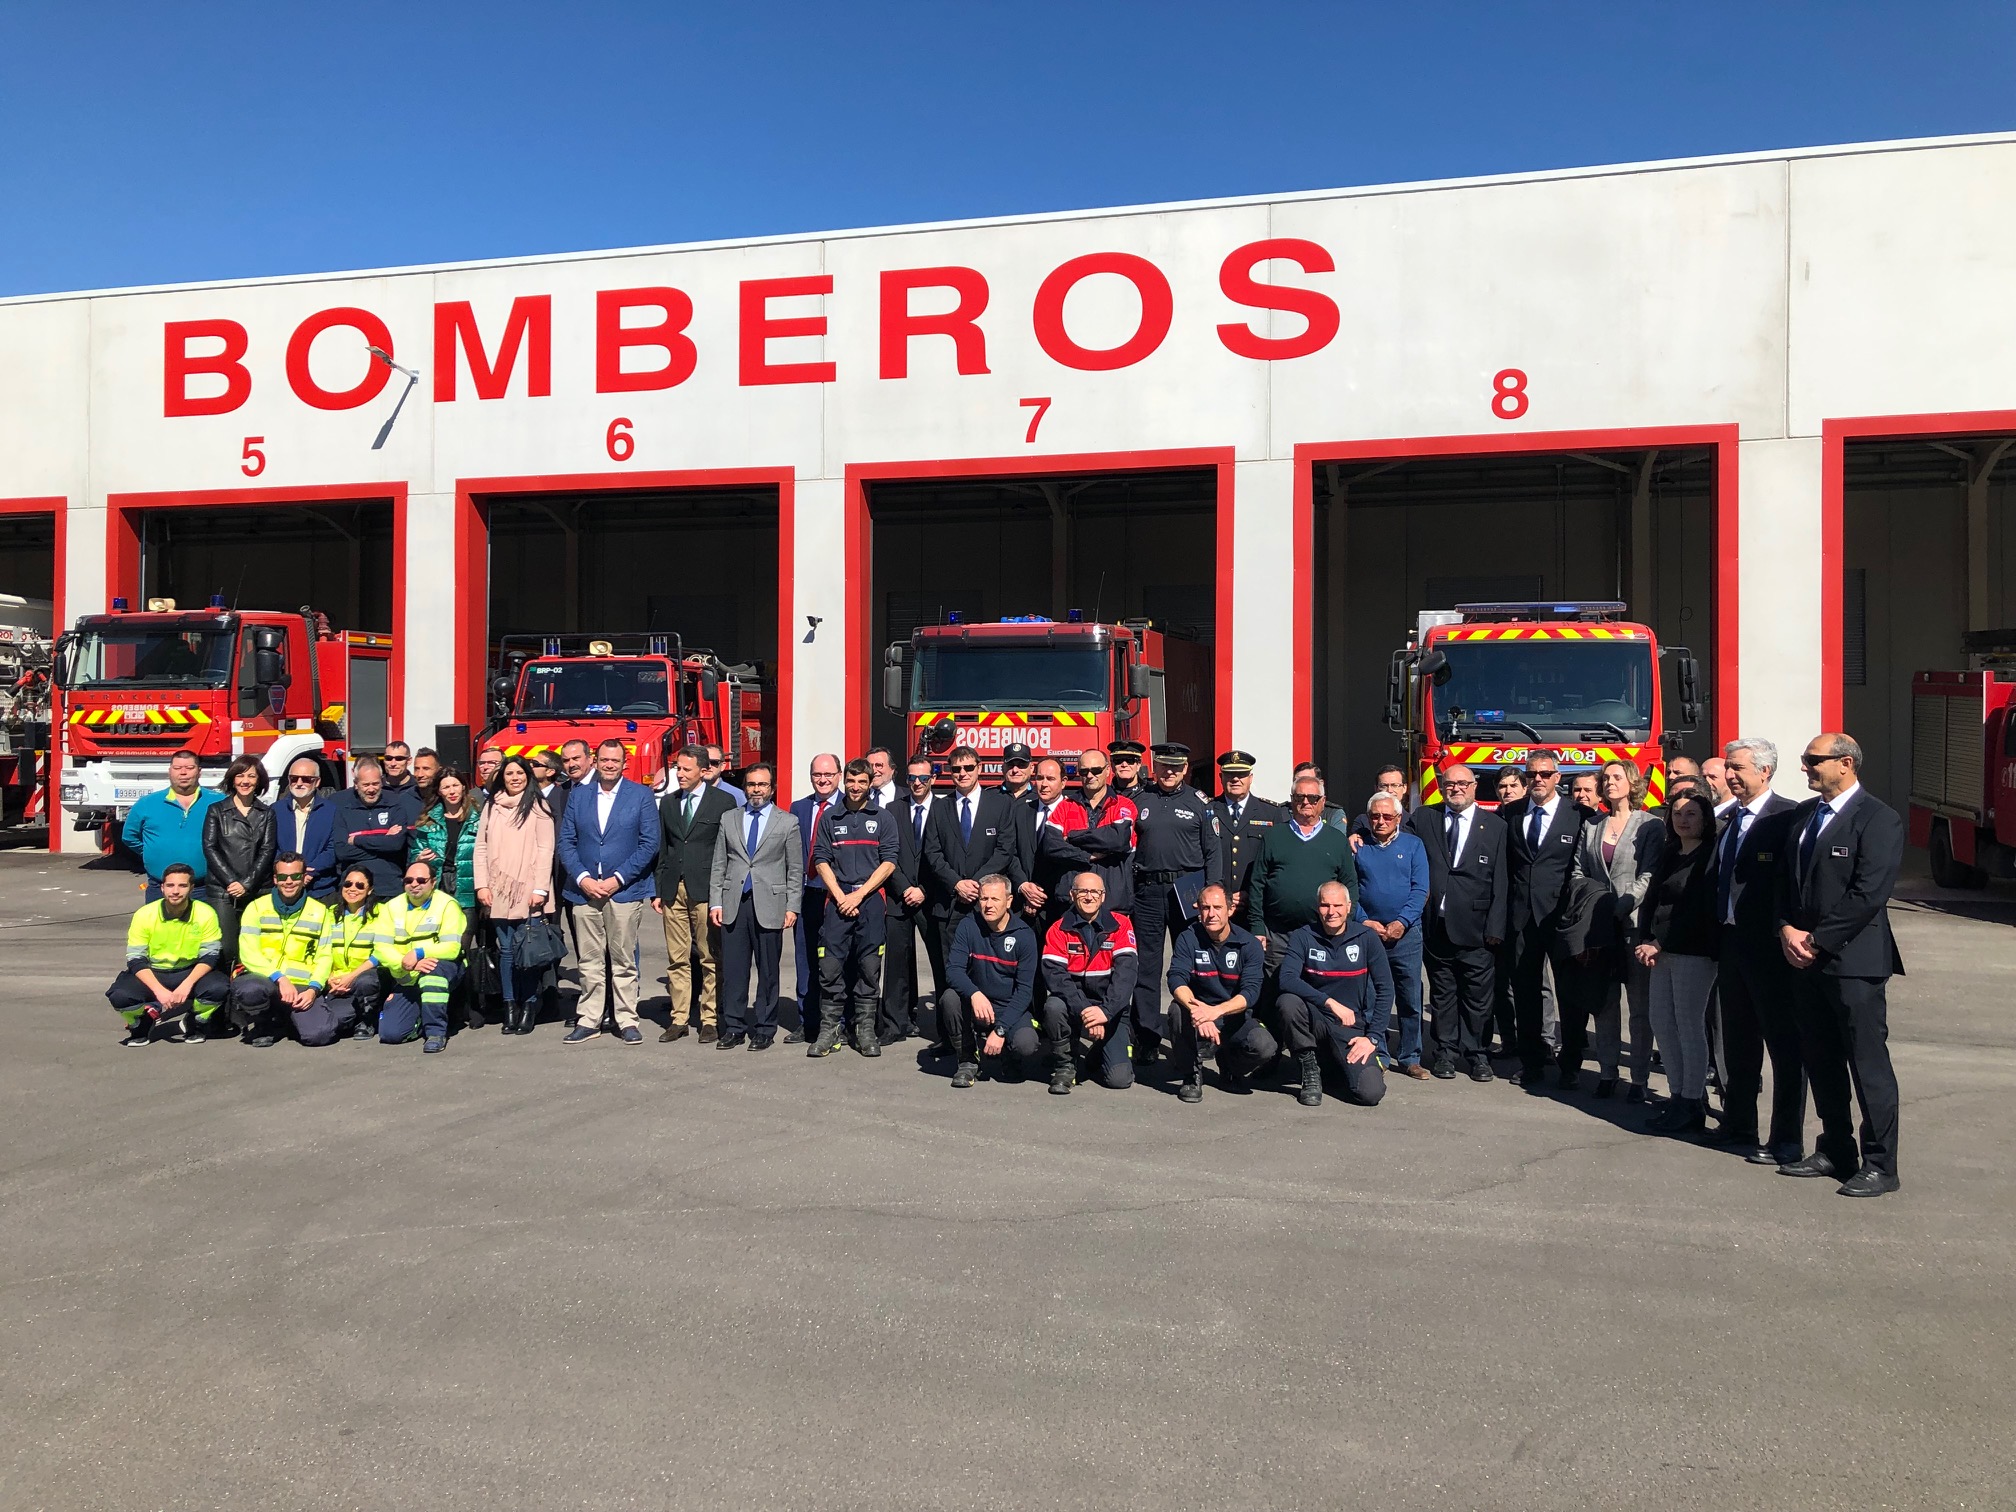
column 82, row 571
column 816, row 719
column 1263, row 619
column 1778, row 586
column 433, row 590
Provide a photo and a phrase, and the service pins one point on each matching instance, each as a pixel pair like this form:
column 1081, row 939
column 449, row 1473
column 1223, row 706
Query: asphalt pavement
column 522, row 1275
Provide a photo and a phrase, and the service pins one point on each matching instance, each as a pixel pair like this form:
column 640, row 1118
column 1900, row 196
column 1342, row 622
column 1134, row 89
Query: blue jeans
column 1405, row 960
column 520, row 985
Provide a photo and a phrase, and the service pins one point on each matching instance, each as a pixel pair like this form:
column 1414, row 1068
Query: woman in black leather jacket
column 239, row 838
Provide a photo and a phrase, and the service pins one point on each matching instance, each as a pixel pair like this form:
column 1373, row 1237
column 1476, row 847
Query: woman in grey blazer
column 1617, row 855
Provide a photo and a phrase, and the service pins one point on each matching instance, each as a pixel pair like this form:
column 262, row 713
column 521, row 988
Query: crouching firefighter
column 1089, row 962
column 1214, row 982
column 987, row 1010
column 171, row 988
column 855, row 854
column 1335, row 983
column 284, row 962
column 423, row 930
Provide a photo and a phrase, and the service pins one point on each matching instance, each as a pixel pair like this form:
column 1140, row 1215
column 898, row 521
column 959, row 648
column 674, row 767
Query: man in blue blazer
column 608, row 844
column 306, row 821
column 810, row 812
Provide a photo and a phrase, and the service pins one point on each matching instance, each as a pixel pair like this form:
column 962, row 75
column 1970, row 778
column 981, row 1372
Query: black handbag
column 539, row 945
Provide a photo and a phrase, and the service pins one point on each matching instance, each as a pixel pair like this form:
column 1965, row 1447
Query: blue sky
column 158, row 143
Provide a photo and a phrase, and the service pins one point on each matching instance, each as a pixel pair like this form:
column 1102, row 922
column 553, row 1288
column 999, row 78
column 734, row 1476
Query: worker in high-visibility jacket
column 355, row 940
column 422, row 956
column 283, row 957
column 173, row 985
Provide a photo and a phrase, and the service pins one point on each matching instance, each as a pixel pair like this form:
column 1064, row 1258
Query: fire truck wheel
column 1946, row 871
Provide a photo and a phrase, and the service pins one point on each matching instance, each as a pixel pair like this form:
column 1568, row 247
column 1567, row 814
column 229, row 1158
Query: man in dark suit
column 608, row 846
column 904, row 1011
column 1469, row 882
column 1541, row 832
column 689, row 819
column 1244, row 823
column 811, row 812
column 1755, row 982
column 1834, row 926
column 971, row 834
column 1017, row 771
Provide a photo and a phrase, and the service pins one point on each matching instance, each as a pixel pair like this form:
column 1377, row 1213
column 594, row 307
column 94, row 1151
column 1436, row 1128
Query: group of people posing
column 1055, row 919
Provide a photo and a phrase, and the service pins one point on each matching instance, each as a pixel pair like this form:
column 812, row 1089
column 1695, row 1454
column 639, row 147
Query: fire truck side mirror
column 1435, row 666
column 710, row 684
column 892, row 688
column 1396, row 691
column 1687, row 672
column 1141, row 680
column 59, row 662
column 500, row 696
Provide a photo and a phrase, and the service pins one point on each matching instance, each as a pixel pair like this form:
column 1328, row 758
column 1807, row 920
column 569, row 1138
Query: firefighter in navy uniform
column 1214, row 985
column 1129, row 778
column 1176, row 851
column 855, row 854
column 1243, row 824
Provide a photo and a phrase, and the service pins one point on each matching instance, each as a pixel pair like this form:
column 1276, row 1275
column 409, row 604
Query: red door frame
column 860, row 540
column 1722, row 438
column 1834, row 438
column 122, row 543
column 57, row 508
column 472, row 576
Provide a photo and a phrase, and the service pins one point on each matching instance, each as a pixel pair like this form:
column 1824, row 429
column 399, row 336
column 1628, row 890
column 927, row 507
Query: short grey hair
column 992, row 877
column 1847, row 745
column 1313, row 780
column 1378, row 798
column 1762, row 751
column 365, row 764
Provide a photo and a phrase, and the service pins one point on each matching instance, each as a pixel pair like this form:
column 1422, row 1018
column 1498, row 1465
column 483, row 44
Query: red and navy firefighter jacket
column 1090, row 963
column 1350, row 968
column 1003, row 966
column 856, row 841
column 1104, row 839
column 1217, row 971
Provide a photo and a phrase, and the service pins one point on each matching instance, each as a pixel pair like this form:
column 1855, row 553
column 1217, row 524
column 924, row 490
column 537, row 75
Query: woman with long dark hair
column 513, row 874
column 354, row 935
column 1679, row 943
column 239, row 842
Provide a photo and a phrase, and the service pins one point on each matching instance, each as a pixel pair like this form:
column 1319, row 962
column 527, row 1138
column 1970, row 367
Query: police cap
column 1015, row 753
column 1236, row 763
column 1171, row 753
column 1123, row 748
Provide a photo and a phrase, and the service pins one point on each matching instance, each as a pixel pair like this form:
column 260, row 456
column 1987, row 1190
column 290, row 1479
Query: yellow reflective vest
column 434, row 928
column 285, row 947
column 164, row 944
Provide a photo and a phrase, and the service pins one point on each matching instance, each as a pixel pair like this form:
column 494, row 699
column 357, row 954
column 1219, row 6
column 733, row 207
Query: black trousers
column 1061, row 1028
column 964, row 1035
column 746, row 944
column 1460, row 981
column 131, row 997
column 1844, row 1039
column 850, row 965
column 901, row 989
column 1533, row 946
column 1757, row 1016
column 1157, row 917
column 1311, row 1026
column 1504, row 1020
column 1244, row 1043
column 1578, row 997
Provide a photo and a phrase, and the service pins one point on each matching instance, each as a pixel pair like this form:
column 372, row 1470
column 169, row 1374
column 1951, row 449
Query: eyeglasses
column 290, row 876
column 302, row 781
column 1460, row 783
column 395, row 760
column 967, row 767
column 1088, row 892
column 1130, row 760
column 1308, row 798
column 1085, row 771
column 356, row 887
column 1814, row 761
column 418, row 881
column 918, row 777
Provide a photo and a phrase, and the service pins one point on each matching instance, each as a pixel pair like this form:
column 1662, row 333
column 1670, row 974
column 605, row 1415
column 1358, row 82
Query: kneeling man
column 987, row 1009
column 1215, row 973
column 1089, row 965
column 1335, row 984
column 283, row 946
column 171, row 987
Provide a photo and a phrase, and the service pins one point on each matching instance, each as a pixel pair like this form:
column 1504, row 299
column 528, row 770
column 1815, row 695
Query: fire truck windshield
column 1547, row 686
column 585, row 689
column 108, row 656
column 981, row 675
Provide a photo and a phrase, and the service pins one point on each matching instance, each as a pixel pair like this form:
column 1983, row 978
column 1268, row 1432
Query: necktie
column 1533, row 830
column 1455, row 836
column 917, row 820
column 1237, row 810
column 1731, row 843
column 1810, row 839
column 1042, row 815
column 689, row 809
column 749, row 881
column 966, row 821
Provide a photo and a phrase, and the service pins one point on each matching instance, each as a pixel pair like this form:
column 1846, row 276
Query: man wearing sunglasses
column 1834, row 889
column 907, row 896
column 424, row 928
column 1469, row 885
column 283, row 954
column 397, row 764
column 971, row 835
column 854, row 855
column 307, row 823
column 1129, row 776
column 1176, row 851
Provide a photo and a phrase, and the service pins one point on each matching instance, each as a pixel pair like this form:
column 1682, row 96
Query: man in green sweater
column 1295, row 860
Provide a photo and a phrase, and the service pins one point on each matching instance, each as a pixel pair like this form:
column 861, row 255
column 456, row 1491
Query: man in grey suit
column 758, row 873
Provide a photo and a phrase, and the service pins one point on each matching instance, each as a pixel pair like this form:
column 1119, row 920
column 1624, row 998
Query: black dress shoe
column 1815, row 1164
column 793, row 1037
column 760, row 1044
column 1869, row 1183
column 1480, row 1070
column 1764, row 1156
column 729, row 1041
column 1444, row 1068
column 1606, row 1086
column 1570, row 1080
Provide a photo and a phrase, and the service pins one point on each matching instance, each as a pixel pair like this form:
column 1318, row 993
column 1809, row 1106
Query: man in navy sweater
column 988, row 1008
column 1214, row 988
column 1334, row 984
column 1392, row 896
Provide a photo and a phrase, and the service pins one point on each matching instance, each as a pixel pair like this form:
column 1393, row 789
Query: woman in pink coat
column 514, row 881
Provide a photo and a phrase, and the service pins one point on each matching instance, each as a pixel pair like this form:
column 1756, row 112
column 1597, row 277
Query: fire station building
column 1767, row 401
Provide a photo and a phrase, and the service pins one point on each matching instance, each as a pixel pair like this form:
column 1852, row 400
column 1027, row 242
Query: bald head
column 1459, row 787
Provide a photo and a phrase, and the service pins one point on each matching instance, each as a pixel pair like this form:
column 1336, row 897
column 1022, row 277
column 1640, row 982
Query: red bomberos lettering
column 643, row 337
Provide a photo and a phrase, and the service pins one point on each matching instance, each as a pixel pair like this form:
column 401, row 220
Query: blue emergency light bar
column 1027, row 619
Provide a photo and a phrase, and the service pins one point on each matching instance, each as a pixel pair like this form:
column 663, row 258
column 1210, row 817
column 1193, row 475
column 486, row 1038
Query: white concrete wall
column 1773, row 293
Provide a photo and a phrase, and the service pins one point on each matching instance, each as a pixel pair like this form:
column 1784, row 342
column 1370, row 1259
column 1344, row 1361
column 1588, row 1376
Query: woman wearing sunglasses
column 356, row 937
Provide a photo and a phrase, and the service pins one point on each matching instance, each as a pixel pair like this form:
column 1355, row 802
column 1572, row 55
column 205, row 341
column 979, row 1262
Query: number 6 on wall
column 621, row 444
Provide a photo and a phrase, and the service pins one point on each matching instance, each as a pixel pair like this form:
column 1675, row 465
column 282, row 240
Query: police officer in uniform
column 1129, row 781
column 1017, row 767
column 1214, row 982
column 855, row 854
column 1243, row 823
column 1176, row 845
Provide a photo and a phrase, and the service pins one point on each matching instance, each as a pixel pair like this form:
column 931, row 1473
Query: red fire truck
column 1963, row 763
column 1487, row 685
column 644, row 689
column 136, row 686
column 1058, row 687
